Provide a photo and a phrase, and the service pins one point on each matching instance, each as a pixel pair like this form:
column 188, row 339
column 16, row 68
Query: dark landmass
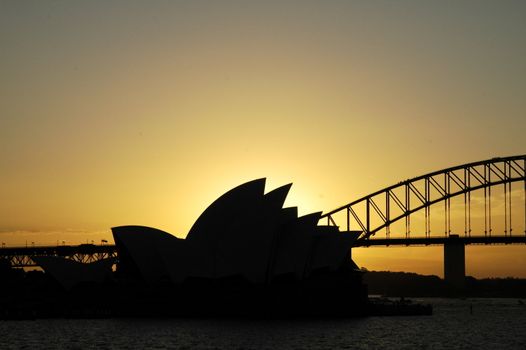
column 404, row 284
column 35, row 295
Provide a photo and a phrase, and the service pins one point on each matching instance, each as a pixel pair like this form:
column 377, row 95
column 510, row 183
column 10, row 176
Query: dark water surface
column 492, row 324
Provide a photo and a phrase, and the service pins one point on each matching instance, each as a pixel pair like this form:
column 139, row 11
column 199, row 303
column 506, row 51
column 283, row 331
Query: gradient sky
column 144, row 112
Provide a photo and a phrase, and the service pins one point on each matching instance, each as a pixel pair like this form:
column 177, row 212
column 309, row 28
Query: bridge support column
column 454, row 264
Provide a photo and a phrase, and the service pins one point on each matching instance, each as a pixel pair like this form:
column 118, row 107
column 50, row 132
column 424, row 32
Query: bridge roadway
column 83, row 253
column 86, row 253
column 454, row 252
column 412, row 241
column 60, row 250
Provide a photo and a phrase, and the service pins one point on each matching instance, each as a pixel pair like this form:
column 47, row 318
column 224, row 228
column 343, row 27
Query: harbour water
column 455, row 324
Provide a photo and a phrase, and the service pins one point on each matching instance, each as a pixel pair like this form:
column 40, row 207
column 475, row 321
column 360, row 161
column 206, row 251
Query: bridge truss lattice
column 377, row 211
column 84, row 253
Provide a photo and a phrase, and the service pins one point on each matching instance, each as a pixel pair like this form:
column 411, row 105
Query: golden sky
column 132, row 112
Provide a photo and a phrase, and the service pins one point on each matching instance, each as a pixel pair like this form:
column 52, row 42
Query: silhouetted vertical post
column 454, row 264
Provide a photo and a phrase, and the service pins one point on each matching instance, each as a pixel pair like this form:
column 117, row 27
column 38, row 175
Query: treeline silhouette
column 404, row 284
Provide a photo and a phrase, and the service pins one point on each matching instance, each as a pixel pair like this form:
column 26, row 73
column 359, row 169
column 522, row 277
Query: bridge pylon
column 455, row 264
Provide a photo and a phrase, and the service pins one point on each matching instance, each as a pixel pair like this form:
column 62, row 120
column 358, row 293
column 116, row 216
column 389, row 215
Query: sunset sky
column 144, row 112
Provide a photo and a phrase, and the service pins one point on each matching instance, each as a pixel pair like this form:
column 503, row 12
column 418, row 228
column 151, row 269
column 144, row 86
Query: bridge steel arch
column 377, row 211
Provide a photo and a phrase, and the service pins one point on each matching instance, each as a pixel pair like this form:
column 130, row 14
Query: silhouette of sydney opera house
column 245, row 254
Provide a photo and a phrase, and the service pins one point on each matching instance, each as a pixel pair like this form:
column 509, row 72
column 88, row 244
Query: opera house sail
column 246, row 249
column 245, row 255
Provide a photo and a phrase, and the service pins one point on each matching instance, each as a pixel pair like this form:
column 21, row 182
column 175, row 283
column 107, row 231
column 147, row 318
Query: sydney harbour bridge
column 476, row 203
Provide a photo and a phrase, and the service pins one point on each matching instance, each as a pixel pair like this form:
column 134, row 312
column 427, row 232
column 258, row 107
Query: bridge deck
column 442, row 240
column 61, row 250
column 84, row 253
column 89, row 249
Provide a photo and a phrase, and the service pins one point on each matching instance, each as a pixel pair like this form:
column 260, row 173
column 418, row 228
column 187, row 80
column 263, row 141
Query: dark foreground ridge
column 245, row 256
column 404, row 284
column 36, row 294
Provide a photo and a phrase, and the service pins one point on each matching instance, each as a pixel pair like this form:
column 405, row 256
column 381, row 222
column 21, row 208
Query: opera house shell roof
column 245, row 255
column 245, row 233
